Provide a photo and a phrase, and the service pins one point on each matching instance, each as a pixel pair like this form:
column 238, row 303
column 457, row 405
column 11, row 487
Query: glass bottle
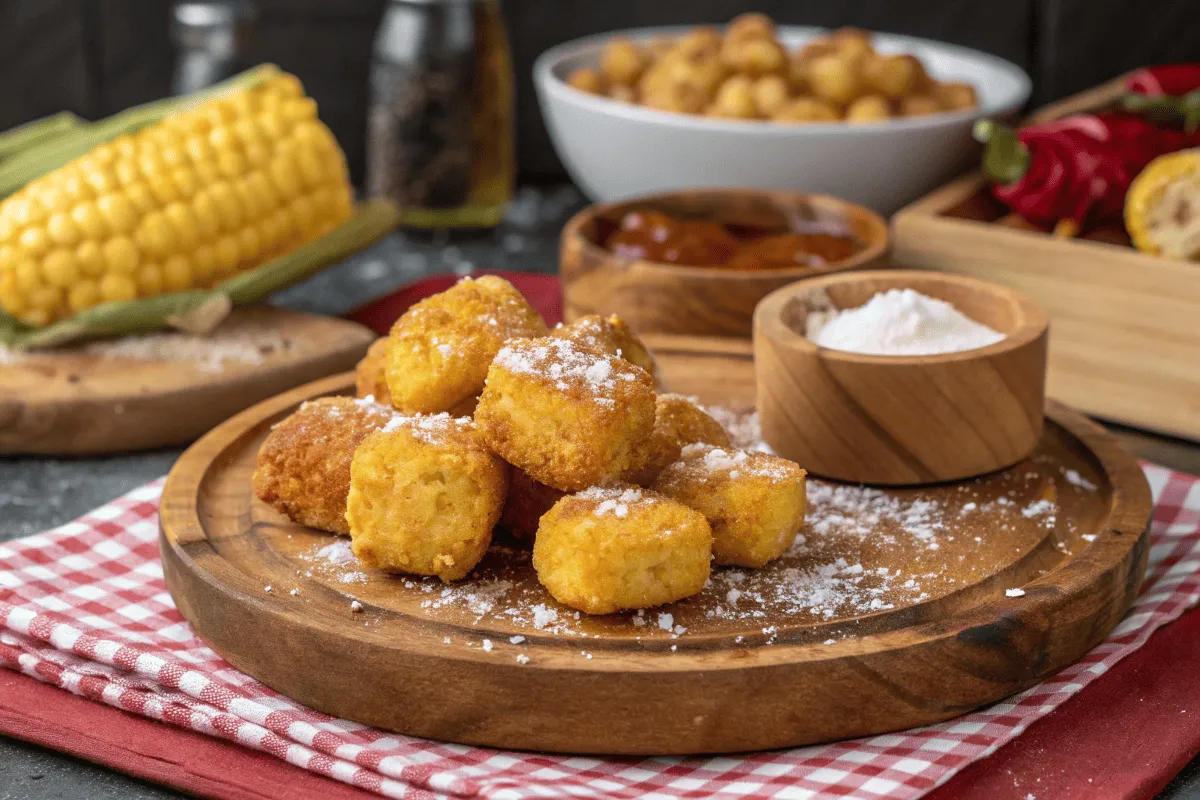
column 440, row 127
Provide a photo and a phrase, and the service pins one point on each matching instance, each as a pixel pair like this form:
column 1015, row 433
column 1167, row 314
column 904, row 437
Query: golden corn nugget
column 439, row 351
column 678, row 422
column 609, row 549
column 369, row 379
column 568, row 416
column 424, row 496
column 304, row 464
column 612, row 337
column 527, row 501
column 754, row 501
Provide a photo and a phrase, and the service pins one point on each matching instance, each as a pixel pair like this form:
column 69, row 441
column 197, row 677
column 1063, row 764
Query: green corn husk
column 40, row 159
column 38, row 132
column 200, row 311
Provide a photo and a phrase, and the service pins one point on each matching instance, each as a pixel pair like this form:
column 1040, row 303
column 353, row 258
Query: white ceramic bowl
column 615, row 150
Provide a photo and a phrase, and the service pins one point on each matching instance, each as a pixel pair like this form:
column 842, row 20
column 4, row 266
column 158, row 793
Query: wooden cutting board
column 900, row 608
column 164, row 389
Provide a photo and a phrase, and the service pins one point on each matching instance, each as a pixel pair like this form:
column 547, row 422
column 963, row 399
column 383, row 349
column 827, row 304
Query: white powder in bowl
column 899, row 322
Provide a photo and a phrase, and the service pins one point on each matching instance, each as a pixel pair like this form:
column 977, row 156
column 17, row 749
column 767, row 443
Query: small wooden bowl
column 901, row 420
column 704, row 301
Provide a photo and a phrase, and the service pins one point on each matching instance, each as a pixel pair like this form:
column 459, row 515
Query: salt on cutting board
column 163, row 389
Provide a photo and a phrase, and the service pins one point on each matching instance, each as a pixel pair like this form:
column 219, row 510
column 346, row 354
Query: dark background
column 95, row 57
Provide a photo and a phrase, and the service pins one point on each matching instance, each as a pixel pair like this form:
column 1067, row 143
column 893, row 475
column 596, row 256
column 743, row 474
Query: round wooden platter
column 109, row 397
column 899, row 608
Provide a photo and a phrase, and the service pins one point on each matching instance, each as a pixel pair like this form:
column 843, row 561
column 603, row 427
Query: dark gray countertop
column 40, row 493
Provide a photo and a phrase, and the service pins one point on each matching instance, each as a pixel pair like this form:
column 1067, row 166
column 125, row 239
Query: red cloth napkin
column 84, row 608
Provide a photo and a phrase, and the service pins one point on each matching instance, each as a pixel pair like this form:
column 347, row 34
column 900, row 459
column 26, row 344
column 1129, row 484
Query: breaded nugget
column 438, row 352
column 369, row 380
column 527, row 501
column 424, row 496
column 754, row 501
column 604, row 550
column 568, row 416
column 678, row 421
column 613, row 337
column 304, row 464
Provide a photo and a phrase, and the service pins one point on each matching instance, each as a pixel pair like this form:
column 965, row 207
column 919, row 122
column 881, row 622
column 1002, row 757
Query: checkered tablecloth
column 84, row 607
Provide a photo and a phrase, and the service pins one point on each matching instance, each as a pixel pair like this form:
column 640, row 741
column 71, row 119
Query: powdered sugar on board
column 863, row 554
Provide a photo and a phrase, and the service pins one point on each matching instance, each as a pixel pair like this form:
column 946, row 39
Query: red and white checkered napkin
column 84, row 607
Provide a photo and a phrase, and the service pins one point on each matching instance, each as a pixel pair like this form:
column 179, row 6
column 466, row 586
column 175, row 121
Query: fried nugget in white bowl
column 438, row 352
column 621, row 548
column 303, row 467
column 753, row 501
column 570, row 417
column 424, row 496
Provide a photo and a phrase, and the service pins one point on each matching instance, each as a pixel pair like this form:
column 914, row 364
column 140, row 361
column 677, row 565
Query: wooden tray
column 1124, row 343
column 101, row 399
column 494, row 661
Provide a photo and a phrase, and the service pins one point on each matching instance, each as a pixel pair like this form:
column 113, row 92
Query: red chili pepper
column 1168, row 94
column 1077, row 168
column 1167, row 79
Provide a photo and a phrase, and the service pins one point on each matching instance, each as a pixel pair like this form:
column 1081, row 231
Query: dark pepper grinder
column 440, row 128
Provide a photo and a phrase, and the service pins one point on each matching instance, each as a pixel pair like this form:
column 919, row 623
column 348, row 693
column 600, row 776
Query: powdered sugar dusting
column 613, row 500
column 568, row 365
column 431, row 428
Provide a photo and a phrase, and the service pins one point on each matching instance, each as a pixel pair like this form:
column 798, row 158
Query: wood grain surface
column 93, row 400
column 1124, row 340
column 470, row 663
column 655, row 297
column 901, row 420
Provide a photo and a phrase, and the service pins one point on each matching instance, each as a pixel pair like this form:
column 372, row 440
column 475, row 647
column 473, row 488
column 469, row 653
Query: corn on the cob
column 186, row 203
column 1162, row 208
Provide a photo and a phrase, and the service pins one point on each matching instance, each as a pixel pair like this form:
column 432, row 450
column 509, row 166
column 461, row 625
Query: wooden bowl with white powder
column 898, row 378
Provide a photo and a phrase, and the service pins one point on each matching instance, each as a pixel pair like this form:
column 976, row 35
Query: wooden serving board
column 893, row 611
column 167, row 389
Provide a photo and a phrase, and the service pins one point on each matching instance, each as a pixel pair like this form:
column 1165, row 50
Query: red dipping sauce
column 655, row 236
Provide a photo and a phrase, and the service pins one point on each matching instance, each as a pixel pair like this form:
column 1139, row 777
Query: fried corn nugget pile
column 571, row 418
column 629, row 497
column 610, row 549
column 303, row 467
column 439, row 351
column 611, row 336
column 424, row 496
column 746, row 73
column 754, row 501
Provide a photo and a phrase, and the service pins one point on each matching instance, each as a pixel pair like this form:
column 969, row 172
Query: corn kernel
column 88, row 220
column 154, row 235
column 53, row 199
column 35, row 318
column 8, row 258
column 204, row 261
column 102, row 179
column 185, row 181
column 174, row 157
column 249, row 243
column 163, row 187
column 120, row 255
column 198, row 149
column 115, row 287
column 251, row 201
column 184, row 225
column 222, row 140
column 12, row 299
column 83, row 296
column 207, row 172
column 26, row 213
column 118, row 212
column 125, row 146
column 229, row 211
column 177, row 274
column 302, row 108
column 288, row 85
column 59, row 268
column 150, row 280
column 273, row 124
column 62, row 230
column 90, row 259
column 227, row 254
column 256, row 154
column 27, row 275
column 231, row 164
column 204, row 209
column 76, row 187
column 34, row 242
column 283, row 175
column 46, row 298
column 127, row 172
